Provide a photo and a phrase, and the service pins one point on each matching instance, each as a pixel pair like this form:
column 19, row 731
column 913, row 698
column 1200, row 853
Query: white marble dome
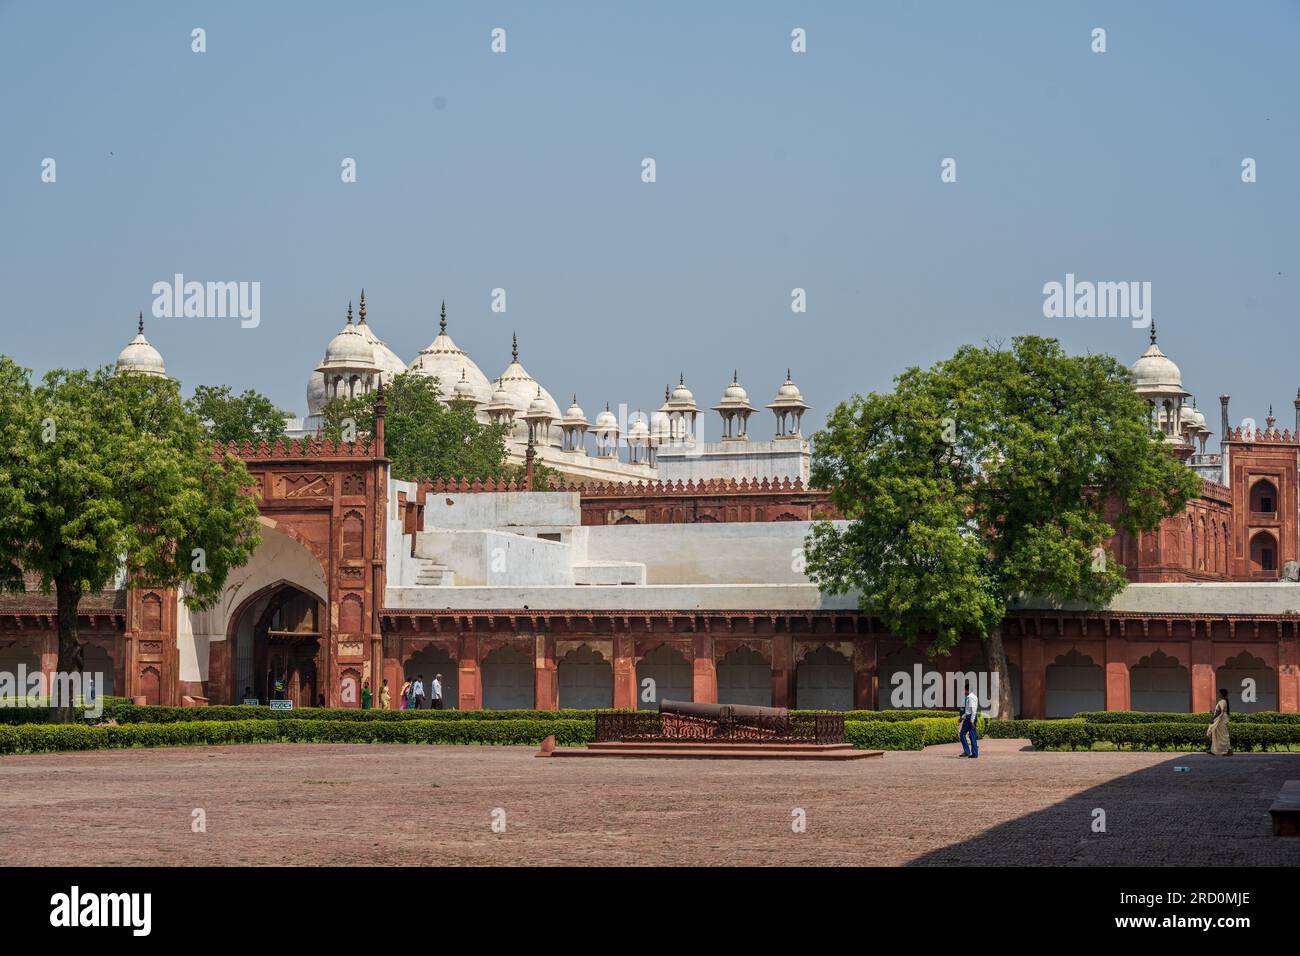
column 574, row 413
column 355, row 346
column 449, row 363
column 139, row 357
column 523, row 389
column 1154, row 371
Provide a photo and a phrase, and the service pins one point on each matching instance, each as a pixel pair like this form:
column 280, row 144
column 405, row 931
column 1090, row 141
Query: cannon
column 738, row 712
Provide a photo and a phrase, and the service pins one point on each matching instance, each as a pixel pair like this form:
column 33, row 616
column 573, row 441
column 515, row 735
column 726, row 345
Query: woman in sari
column 1220, row 745
column 406, row 696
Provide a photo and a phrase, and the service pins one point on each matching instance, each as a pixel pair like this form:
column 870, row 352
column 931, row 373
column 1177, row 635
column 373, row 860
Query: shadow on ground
column 1216, row 812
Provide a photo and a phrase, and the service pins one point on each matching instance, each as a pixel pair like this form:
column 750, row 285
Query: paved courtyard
column 384, row 805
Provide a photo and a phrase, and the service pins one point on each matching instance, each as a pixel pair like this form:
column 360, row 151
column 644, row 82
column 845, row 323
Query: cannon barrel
column 689, row 708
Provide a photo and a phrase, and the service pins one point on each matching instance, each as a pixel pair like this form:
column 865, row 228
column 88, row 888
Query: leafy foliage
column 105, row 472
column 986, row 477
column 228, row 417
column 424, row 439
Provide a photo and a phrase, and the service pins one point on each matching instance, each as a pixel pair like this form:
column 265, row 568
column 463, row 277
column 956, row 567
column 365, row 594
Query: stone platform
column 704, row 750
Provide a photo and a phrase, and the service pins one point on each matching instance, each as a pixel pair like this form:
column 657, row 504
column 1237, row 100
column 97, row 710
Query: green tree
column 993, row 475
column 424, row 439
column 228, row 417
column 103, row 472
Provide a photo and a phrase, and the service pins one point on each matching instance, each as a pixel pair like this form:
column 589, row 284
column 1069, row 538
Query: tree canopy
column 994, row 474
column 424, row 439
column 250, row 416
column 103, row 472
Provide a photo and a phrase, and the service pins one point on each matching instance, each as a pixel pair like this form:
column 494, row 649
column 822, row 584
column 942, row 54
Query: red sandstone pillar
column 1033, row 678
column 469, row 687
column 546, row 684
column 705, row 690
column 864, row 674
column 625, row 688
column 1204, row 693
column 1288, row 672
column 1117, row 676
column 782, row 670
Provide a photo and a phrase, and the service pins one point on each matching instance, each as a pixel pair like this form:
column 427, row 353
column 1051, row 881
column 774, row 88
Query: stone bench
column 1285, row 810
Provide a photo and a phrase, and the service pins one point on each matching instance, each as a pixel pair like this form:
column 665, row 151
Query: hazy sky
column 775, row 170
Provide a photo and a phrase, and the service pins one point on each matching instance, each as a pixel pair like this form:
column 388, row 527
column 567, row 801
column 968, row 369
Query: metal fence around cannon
column 726, row 726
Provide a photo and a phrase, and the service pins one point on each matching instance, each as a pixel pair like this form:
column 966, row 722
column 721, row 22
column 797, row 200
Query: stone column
column 469, row 687
column 1204, row 693
column 1117, row 676
column 705, row 688
column 1288, row 670
column 546, row 689
column 865, row 677
column 625, row 686
column 1033, row 679
column 782, row 646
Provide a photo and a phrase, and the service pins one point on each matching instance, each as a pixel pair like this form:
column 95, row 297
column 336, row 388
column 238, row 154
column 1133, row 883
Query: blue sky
column 774, row 171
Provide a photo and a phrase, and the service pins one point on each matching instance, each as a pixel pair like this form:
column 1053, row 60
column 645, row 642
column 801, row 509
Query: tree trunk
column 71, row 653
column 997, row 658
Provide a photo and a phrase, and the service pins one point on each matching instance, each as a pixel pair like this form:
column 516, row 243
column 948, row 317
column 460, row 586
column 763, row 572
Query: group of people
column 412, row 697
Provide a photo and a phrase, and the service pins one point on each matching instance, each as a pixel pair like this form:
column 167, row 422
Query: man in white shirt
column 970, row 712
column 436, row 700
column 417, row 691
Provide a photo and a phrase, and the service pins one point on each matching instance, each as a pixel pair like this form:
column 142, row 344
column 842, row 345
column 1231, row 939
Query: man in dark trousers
column 970, row 713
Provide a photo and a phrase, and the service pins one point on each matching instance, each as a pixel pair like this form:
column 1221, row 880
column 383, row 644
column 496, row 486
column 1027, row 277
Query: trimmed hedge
column 1146, row 717
column 48, row 738
column 885, row 734
column 150, row 714
column 1174, row 735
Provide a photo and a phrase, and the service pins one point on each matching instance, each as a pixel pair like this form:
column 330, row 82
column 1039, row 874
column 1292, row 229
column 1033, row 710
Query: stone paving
column 388, row 805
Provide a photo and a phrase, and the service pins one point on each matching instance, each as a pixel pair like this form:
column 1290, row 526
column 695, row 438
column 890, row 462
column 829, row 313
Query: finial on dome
column 1270, row 419
column 787, row 376
column 140, row 330
column 514, row 347
column 665, row 393
column 442, row 325
column 681, row 378
column 1153, row 331
column 735, row 377
column 349, row 311
column 361, row 310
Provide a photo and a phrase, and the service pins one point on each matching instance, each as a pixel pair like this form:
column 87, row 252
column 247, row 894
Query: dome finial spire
column 140, row 328
column 349, row 311
column 1153, row 331
column 442, row 319
column 361, row 309
column 514, row 347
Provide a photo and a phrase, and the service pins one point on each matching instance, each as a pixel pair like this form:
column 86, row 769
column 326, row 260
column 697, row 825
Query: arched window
column 1263, row 554
column 1263, row 497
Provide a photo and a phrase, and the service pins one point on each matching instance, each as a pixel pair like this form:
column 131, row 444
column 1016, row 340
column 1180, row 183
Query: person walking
column 365, row 696
column 385, row 698
column 417, row 692
column 406, row 696
column 1220, row 743
column 969, row 717
column 436, row 700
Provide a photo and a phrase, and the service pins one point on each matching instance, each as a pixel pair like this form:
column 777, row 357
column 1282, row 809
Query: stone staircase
column 432, row 574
